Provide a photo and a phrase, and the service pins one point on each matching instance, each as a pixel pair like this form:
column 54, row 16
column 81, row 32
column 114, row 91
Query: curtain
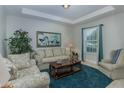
column 100, row 52
column 82, row 45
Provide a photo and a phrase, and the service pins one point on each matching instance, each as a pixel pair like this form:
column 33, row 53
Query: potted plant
column 20, row 42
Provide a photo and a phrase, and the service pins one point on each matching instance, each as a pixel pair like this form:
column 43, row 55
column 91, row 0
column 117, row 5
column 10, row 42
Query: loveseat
column 46, row 55
column 114, row 71
column 24, row 72
column 116, row 84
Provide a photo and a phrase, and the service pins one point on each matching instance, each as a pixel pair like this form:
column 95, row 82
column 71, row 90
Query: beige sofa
column 114, row 71
column 46, row 55
column 24, row 72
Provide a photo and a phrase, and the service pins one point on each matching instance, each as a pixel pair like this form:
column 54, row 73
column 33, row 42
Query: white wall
column 2, row 30
column 14, row 23
column 113, row 33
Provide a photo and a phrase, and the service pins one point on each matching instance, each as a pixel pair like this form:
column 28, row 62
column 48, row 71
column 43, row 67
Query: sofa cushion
column 63, row 57
column 41, row 52
column 52, row 59
column 108, row 66
column 57, row 51
column 49, row 52
column 63, row 51
column 20, row 60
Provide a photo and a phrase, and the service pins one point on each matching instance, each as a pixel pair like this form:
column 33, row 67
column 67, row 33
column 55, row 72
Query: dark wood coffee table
column 58, row 70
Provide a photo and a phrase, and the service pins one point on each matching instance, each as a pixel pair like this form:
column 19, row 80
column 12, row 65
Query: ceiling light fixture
column 66, row 6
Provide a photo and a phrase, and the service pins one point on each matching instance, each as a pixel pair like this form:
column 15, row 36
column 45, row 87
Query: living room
column 68, row 26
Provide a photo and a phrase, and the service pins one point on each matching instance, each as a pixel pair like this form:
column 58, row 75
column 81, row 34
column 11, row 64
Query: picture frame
column 48, row 39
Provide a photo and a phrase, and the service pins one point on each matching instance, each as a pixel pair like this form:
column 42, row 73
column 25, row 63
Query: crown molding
column 94, row 14
column 60, row 19
column 44, row 15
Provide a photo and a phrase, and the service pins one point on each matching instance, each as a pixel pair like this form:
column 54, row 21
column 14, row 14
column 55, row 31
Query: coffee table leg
column 51, row 70
column 56, row 71
column 71, row 68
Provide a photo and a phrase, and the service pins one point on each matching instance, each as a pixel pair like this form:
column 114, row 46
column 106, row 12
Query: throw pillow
column 121, row 57
column 115, row 56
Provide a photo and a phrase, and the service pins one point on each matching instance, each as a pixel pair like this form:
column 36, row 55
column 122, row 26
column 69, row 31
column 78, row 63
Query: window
column 91, row 39
column 92, row 43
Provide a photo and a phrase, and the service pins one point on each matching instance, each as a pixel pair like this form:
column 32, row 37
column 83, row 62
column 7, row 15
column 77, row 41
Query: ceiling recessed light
column 66, row 6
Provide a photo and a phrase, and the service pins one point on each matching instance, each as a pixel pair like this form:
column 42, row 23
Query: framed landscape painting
column 48, row 39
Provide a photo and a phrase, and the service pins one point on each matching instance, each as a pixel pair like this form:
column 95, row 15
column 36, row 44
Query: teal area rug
column 88, row 77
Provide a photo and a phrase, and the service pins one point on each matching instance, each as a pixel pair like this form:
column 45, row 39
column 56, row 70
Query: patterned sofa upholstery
column 46, row 55
column 114, row 71
column 24, row 72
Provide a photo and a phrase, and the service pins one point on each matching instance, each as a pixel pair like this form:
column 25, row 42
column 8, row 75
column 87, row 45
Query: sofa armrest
column 11, row 68
column 13, row 72
column 38, row 80
column 32, row 54
column 118, row 66
column 32, row 62
column 38, row 59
